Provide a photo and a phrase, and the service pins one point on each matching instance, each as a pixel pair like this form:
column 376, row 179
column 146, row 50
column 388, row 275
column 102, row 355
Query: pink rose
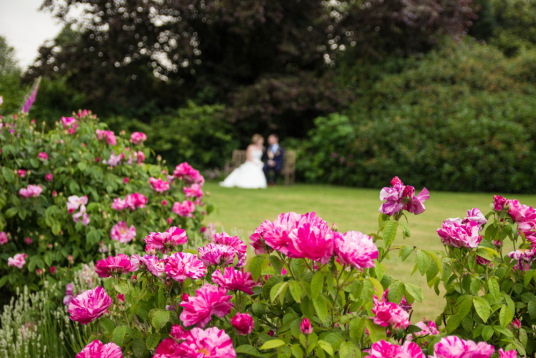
column 43, row 156
column 383, row 349
column 305, row 326
column 457, row 234
column 108, row 136
column 208, row 300
column 96, row 349
column 243, row 323
column 159, row 185
column 21, row 173
column 3, row 238
column 185, row 209
column 234, row 242
column 455, row 347
column 233, row 279
column 32, row 191
column 185, row 172
column 193, row 191
column 211, row 342
column 74, row 202
column 154, row 265
column 165, row 241
column 89, row 305
column 17, row 261
column 217, row 254
column 180, row 266
column 119, row 264
column 138, row 137
column 48, row 177
column 312, row 239
column 122, row 233
column 510, row 354
column 356, row 249
column 400, row 196
column 389, row 314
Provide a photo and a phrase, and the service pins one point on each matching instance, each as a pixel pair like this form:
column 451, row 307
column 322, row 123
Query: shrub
column 68, row 193
column 458, row 120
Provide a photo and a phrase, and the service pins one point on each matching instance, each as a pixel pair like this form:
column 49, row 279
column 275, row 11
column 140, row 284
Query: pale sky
column 25, row 28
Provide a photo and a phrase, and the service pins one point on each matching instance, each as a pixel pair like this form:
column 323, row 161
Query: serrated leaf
column 423, row 261
column 107, row 325
column 389, row 232
column 482, row 308
column 122, row 287
column 453, row 322
column 414, row 291
column 505, row 316
column 349, row 350
column 356, row 328
column 296, row 350
column 396, row 292
column 317, row 284
column 276, row 263
column 321, row 308
column 493, row 287
column 274, row 343
column 159, row 318
column 326, row 347
column 118, row 335
column 464, row 305
column 152, row 340
column 406, row 251
column 277, row 289
column 487, row 333
column 376, row 333
column 255, row 266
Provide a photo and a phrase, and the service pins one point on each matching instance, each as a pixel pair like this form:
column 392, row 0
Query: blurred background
column 441, row 93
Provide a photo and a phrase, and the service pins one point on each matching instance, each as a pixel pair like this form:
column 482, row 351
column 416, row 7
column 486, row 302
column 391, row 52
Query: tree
column 160, row 53
column 10, row 85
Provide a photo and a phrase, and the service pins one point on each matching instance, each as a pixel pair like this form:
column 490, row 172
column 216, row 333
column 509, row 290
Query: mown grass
column 240, row 211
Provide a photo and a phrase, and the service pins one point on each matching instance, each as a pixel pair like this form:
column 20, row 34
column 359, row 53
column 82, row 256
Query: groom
column 273, row 158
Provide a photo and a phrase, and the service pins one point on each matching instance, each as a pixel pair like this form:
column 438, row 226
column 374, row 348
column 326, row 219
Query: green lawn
column 240, row 211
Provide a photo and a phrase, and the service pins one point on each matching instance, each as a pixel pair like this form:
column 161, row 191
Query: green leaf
column 356, row 328
column 276, row 263
column 255, row 266
column 248, row 350
column 295, row 290
column 152, row 340
column 118, row 335
column 476, row 284
column 8, row 175
column 505, row 316
column 464, row 304
column 317, row 284
column 487, row 333
column 377, row 333
column 12, row 212
column 389, row 232
column 406, row 251
column 321, row 308
column 349, row 350
column 274, row 343
column 107, row 324
column 326, row 347
column 122, row 287
column 139, row 349
column 487, row 253
column 453, row 322
column 377, row 285
column 159, row 318
column 296, row 350
column 396, row 292
column 423, row 261
column 277, row 289
column 493, row 287
column 482, row 308
column 414, row 291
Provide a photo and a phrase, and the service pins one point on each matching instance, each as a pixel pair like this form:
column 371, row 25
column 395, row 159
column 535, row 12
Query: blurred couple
column 262, row 165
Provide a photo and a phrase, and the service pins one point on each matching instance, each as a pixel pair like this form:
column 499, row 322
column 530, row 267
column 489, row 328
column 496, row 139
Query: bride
column 249, row 175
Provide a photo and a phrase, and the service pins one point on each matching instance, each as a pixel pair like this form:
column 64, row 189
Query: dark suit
column 278, row 158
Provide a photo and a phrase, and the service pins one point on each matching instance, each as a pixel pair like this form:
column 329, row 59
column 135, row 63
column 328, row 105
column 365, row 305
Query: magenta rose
column 455, row 347
column 208, row 300
column 181, row 265
column 356, row 249
column 17, row 261
column 243, row 323
column 122, row 233
column 89, row 305
column 96, row 349
column 138, row 137
column 233, row 279
column 119, row 264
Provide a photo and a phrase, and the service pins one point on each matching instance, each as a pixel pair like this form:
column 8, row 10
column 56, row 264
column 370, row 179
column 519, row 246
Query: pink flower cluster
column 89, row 305
column 122, row 233
column 132, row 201
column 308, row 236
column 400, row 196
column 193, row 191
column 119, row 264
column 196, row 343
column 17, row 261
column 114, row 160
column 463, row 233
column 96, row 349
column 159, row 185
column 69, row 123
column 190, row 175
column 32, row 191
column 389, row 314
column 165, row 241
column 208, row 300
column 73, row 203
column 523, row 215
column 184, row 209
column 138, row 137
column 524, row 258
column 232, row 241
column 108, row 136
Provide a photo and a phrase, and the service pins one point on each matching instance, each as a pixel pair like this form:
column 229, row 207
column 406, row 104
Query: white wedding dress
column 249, row 175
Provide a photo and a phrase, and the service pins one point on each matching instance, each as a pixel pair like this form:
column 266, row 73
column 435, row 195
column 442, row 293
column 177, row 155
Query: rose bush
column 72, row 193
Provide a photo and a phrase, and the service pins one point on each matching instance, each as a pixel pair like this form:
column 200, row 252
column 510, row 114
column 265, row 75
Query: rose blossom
column 3, row 238
column 217, row 254
column 182, row 265
column 21, row 173
column 457, row 234
column 257, row 241
column 158, row 185
column 305, row 326
column 154, row 265
column 476, row 216
column 122, row 233
column 276, row 234
column 114, row 160
column 42, row 156
column 109, row 136
column 234, row 242
column 89, row 305
column 33, row 191
column 356, row 249
column 68, row 122
column 197, row 343
column 119, row 264
column 49, row 177
column 389, row 314
column 193, row 191
column 96, row 349
column 186, row 208
column 165, row 241
column 455, row 347
column 208, row 300
column 188, row 174
column 312, row 239
column 524, row 258
column 74, row 202
column 383, row 349
column 243, row 323
column 516, row 324
column 18, row 260
column 510, row 354
column 232, row 279
column 400, row 196
column 138, row 137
